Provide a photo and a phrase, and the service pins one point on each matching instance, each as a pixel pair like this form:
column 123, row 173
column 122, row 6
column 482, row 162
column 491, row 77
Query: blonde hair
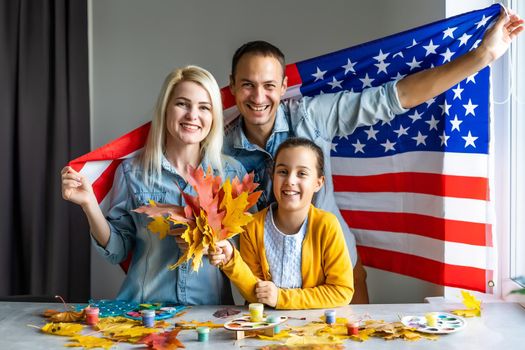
column 210, row 147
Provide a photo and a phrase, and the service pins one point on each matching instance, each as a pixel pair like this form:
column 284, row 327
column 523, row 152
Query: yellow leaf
column 159, row 225
column 89, row 342
column 470, row 301
column 64, row 329
column 363, row 335
column 194, row 324
column 467, row 313
column 310, row 340
column 281, row 335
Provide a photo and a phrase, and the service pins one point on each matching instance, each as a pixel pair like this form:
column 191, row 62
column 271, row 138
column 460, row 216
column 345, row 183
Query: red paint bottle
column 91, row 315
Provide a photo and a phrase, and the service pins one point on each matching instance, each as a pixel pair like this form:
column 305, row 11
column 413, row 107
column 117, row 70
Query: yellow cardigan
column 326, row 267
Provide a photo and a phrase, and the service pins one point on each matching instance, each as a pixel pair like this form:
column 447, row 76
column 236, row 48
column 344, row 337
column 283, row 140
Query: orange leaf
column 163, row 341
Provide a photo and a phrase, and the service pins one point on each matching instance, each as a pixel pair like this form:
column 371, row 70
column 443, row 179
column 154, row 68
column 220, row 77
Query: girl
column 187, row 129
column 292, row 255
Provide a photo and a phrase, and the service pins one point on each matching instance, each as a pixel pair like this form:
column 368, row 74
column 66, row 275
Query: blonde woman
column 187, row 129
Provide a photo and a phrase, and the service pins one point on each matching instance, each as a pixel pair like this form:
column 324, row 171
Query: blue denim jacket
column 148, row 277
column 319, row 119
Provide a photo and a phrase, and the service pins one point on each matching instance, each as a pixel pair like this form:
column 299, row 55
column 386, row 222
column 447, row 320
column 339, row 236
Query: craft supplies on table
column 444, row 323
column 148, row 318
column 256, row 312
column 203, row 334
column 329, row 316
column 92, row 315
column 243, row 324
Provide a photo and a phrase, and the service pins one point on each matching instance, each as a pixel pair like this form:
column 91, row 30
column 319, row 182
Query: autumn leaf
column 473, row 306
column 63, row 329
column 65, row 316
column 159, row 225
column 205, row 185
column 90, row 342
column 194, row 324
column 311, row 340
column 163, row 341
column 281, row 335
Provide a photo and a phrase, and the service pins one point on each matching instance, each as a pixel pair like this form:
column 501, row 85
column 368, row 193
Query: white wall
column 135, row 43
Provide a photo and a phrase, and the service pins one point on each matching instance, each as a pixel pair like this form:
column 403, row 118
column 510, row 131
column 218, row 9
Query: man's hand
column 267, row 293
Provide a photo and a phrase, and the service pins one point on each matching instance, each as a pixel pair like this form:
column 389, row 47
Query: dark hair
column 293, row 142
column 258, row 47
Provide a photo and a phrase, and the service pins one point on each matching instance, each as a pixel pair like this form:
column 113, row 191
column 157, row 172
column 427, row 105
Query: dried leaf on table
column 129, row 334
column 194, row 324
column 89, row 342
column 312, row 340
column 473, row 306
column 281, row 335
column 69, row 315
column 163, row 341
column 226, row 312
column 304, row 347
column 63, row 329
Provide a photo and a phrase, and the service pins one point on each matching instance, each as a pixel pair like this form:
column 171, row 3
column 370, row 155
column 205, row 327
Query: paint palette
column 445, row 323
column 245, row 324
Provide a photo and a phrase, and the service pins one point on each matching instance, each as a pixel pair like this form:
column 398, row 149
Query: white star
column 470, row 108
column 433, row 122
column 447, row 55
column 333, row 147
column 371, row 133
column 415, row 116
column 429, row 102
column 335, row 83
column 414, row 63
column 483, row 22
column 476, row 44
column 398, row 76
column 457, row 92
column 401, row 131
column 444, row 108
column 420, row 139
column 463, row 39
column 444, row 138
column 389, row 146
column 381, row 67
column 455, row 123
column 449, row 32
column 382, row 56
column 472, row 78
column 367, row 82
column 349, row 66
column 359, row 147
column 383, row 122
column 469, row 140
column 319, row 75
column 430, row 48
column 414, row 43
column 400, row 54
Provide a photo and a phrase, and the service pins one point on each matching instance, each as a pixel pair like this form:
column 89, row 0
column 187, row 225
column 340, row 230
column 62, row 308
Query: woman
column 187, row 130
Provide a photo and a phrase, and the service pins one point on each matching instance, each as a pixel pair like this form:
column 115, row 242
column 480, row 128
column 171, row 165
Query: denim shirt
column 320, row 119
column 148, row 277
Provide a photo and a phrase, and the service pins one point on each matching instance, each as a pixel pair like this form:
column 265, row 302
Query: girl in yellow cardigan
column 292, row 255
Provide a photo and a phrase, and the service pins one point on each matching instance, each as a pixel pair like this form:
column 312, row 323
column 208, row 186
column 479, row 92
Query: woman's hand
column 222, row 254
column 267, row 293
column 76, row 188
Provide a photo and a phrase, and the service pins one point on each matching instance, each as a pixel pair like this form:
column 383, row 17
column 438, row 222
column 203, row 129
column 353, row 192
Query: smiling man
column 258, row 83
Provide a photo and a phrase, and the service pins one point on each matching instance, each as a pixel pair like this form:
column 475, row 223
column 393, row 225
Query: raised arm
column 422, row 86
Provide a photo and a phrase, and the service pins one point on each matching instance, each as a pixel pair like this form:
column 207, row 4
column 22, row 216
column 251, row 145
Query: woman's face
column 188, row 114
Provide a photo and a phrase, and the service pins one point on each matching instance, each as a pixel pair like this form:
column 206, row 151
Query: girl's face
column 188, row 114
column 295, row 178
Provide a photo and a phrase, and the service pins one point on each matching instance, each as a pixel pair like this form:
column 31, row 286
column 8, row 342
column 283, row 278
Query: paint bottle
column 148, row 318
column 91, row 315
column 431, row 319
column 274, row 319
column 329, row 316
column 352, row 328
column 203, row 334
column 256, row 312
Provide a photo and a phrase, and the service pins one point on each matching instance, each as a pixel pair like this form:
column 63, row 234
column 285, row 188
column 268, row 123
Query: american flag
column 415, row 191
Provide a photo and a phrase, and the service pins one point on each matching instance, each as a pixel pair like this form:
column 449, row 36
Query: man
column 258, row 82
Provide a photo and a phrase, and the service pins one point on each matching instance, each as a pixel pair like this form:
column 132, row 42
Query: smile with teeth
column 191, row 127
column 290, row 193
column 258, row 108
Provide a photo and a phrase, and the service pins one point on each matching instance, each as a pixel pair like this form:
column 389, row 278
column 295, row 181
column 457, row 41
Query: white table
column 501, row 326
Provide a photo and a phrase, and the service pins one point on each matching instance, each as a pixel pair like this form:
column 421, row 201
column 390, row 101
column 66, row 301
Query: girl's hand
column 223, row 253
column 177, row 232
column 76, row 188
column 498, row 38
column 267, row 293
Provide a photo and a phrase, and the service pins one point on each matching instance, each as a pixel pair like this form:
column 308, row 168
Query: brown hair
column 293, row 142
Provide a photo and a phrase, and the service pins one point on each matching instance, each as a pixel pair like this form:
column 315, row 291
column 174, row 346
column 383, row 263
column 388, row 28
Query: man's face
column 258, row 86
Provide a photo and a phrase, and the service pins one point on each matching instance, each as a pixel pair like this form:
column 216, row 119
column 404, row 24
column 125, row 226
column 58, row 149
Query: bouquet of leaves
column 217, row 212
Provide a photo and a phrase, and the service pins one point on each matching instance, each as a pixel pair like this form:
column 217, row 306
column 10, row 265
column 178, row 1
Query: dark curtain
column 44, row 106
